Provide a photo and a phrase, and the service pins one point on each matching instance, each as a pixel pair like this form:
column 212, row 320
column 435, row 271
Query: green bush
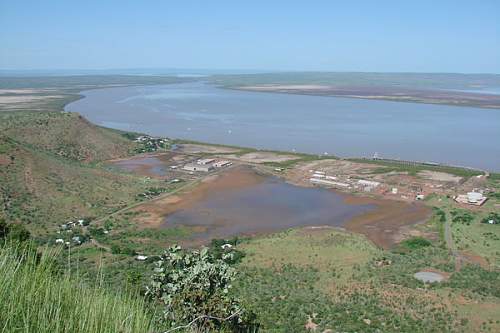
column 462, row 216
column 414, row 243
column 195, row 288
column 14, row 232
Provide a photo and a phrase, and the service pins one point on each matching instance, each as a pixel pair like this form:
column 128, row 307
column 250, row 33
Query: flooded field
column 158, row 166
column 267, row 206
column 145, row 165
column 242, row 202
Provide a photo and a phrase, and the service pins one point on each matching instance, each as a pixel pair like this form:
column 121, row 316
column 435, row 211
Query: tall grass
column 34, row 299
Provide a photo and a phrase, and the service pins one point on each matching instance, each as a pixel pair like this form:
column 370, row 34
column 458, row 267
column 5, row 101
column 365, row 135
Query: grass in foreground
column 34, row 299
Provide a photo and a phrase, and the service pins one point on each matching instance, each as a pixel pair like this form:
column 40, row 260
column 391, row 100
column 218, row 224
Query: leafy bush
column 414, row 243
column 492, row 216
column 3, row 229
column 440, row 213
column 123, row 249
column 195, row 288
column 462, row 216
column 219, row 248
column 13, row 232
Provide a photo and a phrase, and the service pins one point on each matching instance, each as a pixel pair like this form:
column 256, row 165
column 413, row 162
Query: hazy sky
column 414, row 36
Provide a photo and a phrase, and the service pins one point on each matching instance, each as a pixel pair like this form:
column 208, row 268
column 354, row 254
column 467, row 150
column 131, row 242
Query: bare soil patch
column 439, row 176
column 385, row 225
column 190, row 148
column 263, row 157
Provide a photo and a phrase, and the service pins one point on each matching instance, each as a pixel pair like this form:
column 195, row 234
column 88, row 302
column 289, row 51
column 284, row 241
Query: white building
column 222, row 163
column 328, row 183
column 474, row 197
column 198, row 167
column 370, row 183
column 205, row 161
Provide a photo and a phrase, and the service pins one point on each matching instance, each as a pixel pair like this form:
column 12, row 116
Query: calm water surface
column 313, row 124
column 264, row 207
column 149, row 164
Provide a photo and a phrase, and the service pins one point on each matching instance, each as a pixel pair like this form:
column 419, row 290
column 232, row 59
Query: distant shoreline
column 391, row 161
column 434, row 97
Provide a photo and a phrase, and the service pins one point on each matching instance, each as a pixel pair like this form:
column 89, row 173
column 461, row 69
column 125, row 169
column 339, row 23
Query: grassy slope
column 44, row 190
column 50, row 171
column 64, row 134
column 331, row 277
column 34, row 299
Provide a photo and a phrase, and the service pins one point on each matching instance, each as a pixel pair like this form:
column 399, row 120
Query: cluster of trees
column 13, row 231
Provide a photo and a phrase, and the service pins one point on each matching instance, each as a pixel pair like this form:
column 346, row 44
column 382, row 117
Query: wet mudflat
column 384, row 226
column 148, row 165
column 241, row 202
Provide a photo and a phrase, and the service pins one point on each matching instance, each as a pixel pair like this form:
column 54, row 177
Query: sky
column 374, row 36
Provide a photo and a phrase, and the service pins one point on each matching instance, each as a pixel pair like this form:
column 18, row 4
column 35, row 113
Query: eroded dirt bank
column 385, row 225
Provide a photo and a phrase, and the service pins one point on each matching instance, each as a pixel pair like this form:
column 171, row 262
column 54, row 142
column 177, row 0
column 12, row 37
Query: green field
column 343, row 283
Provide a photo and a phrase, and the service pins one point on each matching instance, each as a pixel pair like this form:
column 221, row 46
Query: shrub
column 195, row 288
column 414, row 243
column 14, row 232
column 3, row 229
column 462, row 216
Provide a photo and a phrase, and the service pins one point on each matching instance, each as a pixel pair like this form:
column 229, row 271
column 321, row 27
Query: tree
column 4, row 228
column 13, row 231
column 18, row 232
column 195, row 289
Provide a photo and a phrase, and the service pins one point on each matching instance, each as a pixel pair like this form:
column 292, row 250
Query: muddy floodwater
column 242, row 203
column 153, row 166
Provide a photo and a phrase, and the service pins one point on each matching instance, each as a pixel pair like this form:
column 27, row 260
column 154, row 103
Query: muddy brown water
column 153, row 166
column 240, row 202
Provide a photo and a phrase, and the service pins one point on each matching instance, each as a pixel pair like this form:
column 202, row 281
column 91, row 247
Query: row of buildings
column 207, row 164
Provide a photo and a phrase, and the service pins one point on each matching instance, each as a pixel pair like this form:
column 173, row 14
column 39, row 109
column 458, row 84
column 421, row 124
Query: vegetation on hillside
column 64, row 134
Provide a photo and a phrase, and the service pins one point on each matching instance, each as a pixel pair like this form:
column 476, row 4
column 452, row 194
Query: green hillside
column 49, row 170
column 64, row 134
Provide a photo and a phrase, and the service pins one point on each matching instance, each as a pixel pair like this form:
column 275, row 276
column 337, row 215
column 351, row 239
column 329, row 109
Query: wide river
column 312, row 124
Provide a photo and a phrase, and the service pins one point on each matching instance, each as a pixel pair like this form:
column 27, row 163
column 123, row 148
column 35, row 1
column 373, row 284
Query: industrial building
column 328, row 183
column 471, row 198
column 198, row 167
column 222, row 163
column 205, row 161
